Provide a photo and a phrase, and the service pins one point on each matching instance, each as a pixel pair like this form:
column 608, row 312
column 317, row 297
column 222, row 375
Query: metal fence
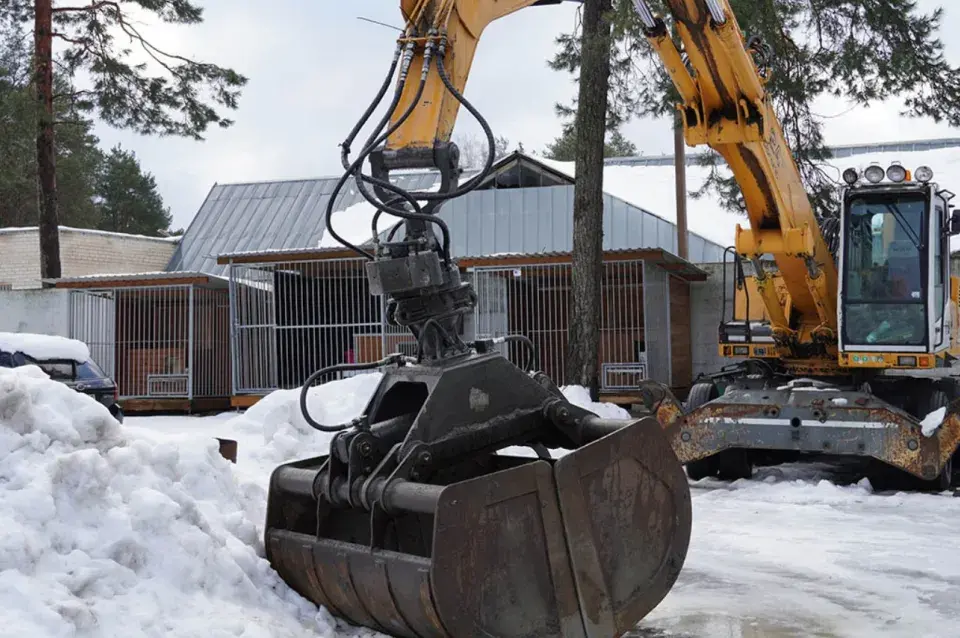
column 534, row 300
column 292, row 318
column 157, row 341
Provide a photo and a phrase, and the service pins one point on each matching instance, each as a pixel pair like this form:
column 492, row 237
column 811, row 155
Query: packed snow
column 40, row 347
column 933, row 421
column 144, row 530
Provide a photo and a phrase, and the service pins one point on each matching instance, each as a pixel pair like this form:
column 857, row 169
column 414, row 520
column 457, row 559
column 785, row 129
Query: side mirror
column 955, row 223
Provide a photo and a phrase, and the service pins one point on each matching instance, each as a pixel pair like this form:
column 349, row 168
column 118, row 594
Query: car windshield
column 884, row 279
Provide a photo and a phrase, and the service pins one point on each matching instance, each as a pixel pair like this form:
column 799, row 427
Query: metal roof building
column 524, row 207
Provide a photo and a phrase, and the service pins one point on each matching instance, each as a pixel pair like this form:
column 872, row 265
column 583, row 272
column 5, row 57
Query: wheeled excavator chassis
column 717, row 435
column 413, row 524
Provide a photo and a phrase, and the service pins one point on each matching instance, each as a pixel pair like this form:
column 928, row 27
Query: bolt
column 425, row 458
column 913, row 445
column 365, row 448
column 685, row 436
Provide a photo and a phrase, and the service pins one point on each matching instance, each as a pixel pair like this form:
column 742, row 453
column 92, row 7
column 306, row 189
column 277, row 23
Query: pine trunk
column 46, row 158
column 584, row 336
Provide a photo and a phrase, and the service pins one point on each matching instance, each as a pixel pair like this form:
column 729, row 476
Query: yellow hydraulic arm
column 726, row 107
column 460, row 23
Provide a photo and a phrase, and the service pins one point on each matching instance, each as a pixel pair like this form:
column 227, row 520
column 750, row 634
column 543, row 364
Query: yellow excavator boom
column 726, row 107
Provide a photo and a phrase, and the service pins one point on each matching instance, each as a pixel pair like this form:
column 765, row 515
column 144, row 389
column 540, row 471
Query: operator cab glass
column 885, row 257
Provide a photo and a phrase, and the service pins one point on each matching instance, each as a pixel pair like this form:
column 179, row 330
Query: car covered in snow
column 65, row 360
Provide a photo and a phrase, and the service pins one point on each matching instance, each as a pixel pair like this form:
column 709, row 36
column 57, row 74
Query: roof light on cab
column 924, row 174
column 874, row 173
column 897, row 173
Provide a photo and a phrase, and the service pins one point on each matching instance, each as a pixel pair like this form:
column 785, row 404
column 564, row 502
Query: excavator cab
column 897, row 308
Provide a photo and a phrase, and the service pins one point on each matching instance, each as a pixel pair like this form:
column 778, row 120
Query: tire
column 699, row 394
column 933, row 399
column 929, row 398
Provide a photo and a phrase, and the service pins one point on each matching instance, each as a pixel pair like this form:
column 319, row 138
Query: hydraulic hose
column 379, row 136
column 343, row 367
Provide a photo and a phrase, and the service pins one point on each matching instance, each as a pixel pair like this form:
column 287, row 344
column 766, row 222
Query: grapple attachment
column 415, row 525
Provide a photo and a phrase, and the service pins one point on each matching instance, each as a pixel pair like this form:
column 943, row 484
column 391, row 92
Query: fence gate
column 289, row 319
column 534, row 300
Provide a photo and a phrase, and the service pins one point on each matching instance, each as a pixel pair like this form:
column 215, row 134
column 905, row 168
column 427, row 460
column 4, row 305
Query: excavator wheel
column 884, row 478
column 728, row 465
column 699, row 394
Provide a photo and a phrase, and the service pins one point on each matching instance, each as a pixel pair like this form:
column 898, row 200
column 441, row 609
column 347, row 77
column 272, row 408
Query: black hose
column 532, row 354
column 328, row 370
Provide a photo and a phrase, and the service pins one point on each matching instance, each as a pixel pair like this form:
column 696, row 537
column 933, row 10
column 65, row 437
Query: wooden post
column 680, row 163
column 49, row 223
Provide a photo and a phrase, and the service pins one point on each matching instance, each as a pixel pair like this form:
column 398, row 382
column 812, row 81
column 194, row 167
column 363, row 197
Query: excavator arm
column 725, row 106
column 447, row 30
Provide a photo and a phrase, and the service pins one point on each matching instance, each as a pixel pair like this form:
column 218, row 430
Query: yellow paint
column 731, row 112
column 463, row 21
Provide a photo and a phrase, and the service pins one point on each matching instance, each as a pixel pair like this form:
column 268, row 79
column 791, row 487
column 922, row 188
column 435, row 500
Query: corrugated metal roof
column 277, row 215
column 264, row 217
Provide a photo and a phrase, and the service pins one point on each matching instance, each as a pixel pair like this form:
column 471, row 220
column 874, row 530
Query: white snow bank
column 286, row 434
column 105, row 534
column 39, row 346
column 933, row 421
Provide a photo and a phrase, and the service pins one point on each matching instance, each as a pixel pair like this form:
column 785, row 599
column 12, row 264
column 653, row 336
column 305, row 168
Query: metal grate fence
column 534, row 300
column 157, row 341
column 292, row 318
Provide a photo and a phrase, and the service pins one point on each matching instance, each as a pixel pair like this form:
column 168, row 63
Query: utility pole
column 680, row 165
column 49, row 223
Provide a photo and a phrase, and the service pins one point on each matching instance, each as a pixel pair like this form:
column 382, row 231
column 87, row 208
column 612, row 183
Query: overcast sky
column 313, row 67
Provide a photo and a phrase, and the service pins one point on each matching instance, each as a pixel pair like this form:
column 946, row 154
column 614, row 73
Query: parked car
column 62, row 359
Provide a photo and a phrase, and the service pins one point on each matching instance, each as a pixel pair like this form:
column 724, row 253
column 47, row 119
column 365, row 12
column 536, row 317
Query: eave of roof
column 130, row 280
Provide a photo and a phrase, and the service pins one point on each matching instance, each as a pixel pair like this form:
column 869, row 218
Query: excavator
column 419, row 522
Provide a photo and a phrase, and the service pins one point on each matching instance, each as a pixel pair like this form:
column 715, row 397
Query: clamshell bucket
column 493, row 545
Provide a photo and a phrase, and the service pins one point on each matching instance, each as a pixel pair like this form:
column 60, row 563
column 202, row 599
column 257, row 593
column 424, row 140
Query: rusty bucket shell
column 583, row 546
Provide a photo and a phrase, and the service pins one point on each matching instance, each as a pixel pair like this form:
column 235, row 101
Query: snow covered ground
column 144, row 530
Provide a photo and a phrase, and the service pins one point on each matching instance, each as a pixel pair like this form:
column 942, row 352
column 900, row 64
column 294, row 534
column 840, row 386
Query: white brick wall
column 81, row 253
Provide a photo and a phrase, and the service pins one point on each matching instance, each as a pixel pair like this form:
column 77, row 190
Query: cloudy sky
column 313, row 67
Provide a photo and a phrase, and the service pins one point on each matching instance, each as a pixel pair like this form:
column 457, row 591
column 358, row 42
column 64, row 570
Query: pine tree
column 77, row 155
column 128, row 198
column 180, row 99
column 862, row 51
column 563, row 148
column 583, row 338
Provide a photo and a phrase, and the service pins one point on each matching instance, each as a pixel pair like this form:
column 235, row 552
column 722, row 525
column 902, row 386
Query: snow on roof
column 355, row 223
column 91, row 231
column 653, row 187
column 40, row 346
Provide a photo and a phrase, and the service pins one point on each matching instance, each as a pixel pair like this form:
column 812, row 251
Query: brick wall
column 81, row 253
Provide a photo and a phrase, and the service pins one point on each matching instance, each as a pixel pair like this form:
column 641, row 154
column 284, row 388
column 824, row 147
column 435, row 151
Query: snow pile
column 107, row 535
column 933, row 421
column 38, row 346
column 286, row 434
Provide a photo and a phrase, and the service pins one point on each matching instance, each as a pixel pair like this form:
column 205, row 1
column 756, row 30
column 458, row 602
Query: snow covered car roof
column 44, row 347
